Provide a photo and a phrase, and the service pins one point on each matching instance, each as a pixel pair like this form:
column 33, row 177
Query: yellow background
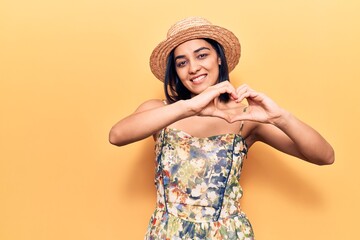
column 70, row 69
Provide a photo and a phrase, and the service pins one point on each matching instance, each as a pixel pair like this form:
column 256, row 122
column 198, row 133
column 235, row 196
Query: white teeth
column 198, row 78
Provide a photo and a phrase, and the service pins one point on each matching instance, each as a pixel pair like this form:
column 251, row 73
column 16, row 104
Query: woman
column 203, row 131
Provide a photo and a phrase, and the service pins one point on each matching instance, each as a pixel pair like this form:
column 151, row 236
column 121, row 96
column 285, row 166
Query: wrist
column 283, row 118
column 187, row 108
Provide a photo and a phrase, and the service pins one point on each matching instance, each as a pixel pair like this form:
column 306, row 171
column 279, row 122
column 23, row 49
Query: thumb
column 241, row 117
column 223, row 115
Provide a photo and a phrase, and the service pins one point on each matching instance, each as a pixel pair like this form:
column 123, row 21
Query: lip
column 198, row 79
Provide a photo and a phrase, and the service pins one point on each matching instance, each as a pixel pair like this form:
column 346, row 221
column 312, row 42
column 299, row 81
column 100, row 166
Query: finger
column 240, row 91
column 242, row 88
column 245, row 94
column 228, row 88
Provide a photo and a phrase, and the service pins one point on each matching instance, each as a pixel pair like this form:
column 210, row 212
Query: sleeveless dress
column 198, row 191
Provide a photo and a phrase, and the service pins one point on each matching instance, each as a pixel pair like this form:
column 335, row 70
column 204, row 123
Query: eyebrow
column 196, row 51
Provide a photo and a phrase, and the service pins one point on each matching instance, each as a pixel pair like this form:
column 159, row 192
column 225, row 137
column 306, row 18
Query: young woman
column 203, row 131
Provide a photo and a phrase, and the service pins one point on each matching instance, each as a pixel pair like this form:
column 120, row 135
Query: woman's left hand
column 260, row 107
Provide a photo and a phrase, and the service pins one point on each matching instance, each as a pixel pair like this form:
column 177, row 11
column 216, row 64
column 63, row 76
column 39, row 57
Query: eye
column 202, row 55
column 180, row 64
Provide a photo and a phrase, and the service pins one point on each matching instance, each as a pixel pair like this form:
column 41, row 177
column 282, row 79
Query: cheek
column 181, row 73
column 213, row 65
column 214, row 68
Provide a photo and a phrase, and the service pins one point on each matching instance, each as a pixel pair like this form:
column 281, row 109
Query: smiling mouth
column 198, row 78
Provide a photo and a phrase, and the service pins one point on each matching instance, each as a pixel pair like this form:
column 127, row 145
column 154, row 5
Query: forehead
column 191, row 46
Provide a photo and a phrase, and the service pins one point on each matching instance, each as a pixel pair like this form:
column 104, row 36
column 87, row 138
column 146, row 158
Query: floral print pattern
column 198, row 191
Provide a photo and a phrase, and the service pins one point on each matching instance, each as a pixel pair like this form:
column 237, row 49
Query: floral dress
column 198, row 191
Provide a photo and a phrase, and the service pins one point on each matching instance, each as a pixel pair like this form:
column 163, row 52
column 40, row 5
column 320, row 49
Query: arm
column 292, row 136
column 153, row 115
column 283, row 131
column 149, row 118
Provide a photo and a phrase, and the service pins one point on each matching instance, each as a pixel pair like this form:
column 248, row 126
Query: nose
column 194, row 67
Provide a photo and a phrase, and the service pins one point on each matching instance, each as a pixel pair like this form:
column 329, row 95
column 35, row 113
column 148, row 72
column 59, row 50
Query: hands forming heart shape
column 259, row 107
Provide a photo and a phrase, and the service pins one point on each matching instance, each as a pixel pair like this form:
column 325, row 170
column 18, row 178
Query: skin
column 204, row 115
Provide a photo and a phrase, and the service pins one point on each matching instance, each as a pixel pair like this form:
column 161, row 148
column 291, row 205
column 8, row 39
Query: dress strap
column 241, row 127
column 242, row 122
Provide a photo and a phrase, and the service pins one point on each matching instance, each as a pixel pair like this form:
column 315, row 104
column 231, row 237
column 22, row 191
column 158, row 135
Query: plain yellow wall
column 70, row 69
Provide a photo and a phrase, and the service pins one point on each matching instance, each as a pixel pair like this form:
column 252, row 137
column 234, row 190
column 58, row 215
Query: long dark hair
column 173, row 87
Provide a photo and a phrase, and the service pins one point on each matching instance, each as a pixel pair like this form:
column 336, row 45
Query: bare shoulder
column 150, row 104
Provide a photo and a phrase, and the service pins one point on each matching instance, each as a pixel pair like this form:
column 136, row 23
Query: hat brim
column 224, row 37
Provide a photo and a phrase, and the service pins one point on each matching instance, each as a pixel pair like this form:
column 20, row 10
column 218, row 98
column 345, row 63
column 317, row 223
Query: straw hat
column 189, row 29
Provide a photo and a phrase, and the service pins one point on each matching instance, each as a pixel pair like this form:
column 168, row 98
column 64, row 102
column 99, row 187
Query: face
column 197, row 65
